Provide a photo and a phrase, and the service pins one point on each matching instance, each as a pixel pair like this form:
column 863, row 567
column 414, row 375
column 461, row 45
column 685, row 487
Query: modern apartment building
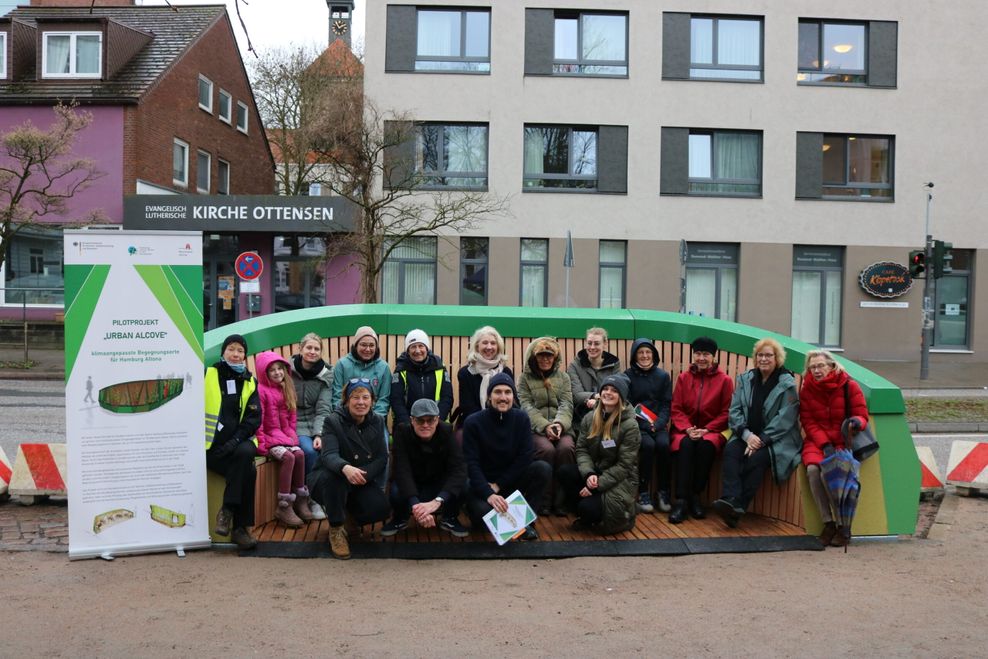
column 745, row 161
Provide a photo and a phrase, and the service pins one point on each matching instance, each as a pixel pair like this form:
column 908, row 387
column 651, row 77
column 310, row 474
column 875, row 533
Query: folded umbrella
column 841, row 474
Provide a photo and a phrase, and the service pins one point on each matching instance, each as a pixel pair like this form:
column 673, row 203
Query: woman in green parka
column 764, row 422
column 603, row 484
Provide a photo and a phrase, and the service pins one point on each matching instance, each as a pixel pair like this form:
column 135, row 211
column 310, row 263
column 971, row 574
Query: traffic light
column 917, row 263
column 942, row 258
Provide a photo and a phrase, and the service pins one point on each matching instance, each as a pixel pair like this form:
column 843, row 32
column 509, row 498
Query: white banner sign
column 134, row 392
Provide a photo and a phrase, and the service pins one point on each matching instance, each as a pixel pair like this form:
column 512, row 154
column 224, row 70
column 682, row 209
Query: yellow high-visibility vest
column 214, row 399
column 439, row 383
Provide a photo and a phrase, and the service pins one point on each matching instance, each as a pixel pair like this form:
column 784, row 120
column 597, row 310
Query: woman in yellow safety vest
column 233, row 414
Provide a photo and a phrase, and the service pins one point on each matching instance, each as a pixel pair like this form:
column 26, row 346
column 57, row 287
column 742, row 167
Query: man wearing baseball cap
column 429, row 473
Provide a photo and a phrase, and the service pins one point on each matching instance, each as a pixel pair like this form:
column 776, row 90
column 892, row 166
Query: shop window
column 817, row 283
column 613, row 256
column 33, row 268
column 299, row 272
column 953, row 302
column 474, row 268
column 712, row 280
column 534, row 272
column 409, row 273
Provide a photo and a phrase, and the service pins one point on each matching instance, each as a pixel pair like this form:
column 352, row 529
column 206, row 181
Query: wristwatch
column 440, row 500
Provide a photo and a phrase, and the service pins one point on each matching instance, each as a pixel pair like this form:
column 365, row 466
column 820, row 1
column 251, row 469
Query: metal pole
column 929, row 291
column 24, row 322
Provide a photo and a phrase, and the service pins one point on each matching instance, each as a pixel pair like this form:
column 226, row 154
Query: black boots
column 678, row 513
column 681, row 509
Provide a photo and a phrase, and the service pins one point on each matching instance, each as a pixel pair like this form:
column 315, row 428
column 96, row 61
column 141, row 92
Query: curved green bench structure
column 890, row 479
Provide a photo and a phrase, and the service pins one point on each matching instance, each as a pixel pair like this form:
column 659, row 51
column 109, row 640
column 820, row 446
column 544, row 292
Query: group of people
column 585, row 441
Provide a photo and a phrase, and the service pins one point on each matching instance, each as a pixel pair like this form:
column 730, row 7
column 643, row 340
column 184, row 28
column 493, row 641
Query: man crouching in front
column 497, row 445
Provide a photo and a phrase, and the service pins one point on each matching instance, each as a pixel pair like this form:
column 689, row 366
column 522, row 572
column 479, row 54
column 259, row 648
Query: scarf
column 236, row 368
column 487, row 369
column 306, row 372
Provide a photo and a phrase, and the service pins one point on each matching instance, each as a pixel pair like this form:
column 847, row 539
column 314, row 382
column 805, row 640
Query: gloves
column 226, row 448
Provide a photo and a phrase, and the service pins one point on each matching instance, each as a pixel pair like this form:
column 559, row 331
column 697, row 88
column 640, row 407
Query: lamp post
column 929, row 291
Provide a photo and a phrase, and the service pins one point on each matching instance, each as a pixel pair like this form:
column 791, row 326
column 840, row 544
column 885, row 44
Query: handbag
column 863, row 444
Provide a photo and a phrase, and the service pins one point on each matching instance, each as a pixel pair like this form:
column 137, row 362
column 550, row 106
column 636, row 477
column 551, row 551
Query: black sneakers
column 392, row 527
column 453, row 527
column 729, row 511
column 530, row 533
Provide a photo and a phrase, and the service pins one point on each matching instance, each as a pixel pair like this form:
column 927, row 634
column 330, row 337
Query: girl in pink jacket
column 277, row 439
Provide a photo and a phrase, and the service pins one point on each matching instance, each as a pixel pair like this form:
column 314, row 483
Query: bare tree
column 39, row 174
column 333, row 134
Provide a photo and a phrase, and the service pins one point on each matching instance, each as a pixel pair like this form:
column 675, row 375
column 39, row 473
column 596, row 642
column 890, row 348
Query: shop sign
column 886, row 279
column 238, row 213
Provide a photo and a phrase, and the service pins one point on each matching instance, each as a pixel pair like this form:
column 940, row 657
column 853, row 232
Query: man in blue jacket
column 500, row 456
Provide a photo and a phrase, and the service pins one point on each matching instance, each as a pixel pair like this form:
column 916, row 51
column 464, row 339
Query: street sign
column 249, row 266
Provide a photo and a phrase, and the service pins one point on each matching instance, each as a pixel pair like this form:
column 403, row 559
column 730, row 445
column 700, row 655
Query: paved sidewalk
column 42, row 527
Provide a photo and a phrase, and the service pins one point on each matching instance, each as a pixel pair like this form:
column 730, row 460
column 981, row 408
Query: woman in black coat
column 651, row 389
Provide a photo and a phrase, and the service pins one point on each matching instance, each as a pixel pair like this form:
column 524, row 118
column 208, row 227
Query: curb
column 928, row 427
column 30, row 374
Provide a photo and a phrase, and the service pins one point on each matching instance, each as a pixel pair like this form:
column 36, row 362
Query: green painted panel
column 900, row 471
column 83, row 285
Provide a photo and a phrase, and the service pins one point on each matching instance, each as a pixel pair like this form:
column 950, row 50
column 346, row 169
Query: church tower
column 340, row 21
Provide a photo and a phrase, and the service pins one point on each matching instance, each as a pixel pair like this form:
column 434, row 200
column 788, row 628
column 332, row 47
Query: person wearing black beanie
column 700, row 402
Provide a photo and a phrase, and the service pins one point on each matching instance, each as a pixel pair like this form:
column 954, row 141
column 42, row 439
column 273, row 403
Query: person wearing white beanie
column 419, row 373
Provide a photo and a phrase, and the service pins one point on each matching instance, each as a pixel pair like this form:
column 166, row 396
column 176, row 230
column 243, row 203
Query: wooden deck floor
column 553, row 529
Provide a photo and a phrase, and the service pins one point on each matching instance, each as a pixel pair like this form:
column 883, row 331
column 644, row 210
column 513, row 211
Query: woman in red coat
column 822, row 409
column 699, row 415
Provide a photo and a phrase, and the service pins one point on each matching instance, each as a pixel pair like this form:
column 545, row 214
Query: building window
column 613, row 255
column 73, row 54
column 712, row 280
column 180, row 163
column 725, row 48
column 451, row 156
column 242, row 117
column 590, row 43
column 299, row 272
column 534, row 272
column 560, row 157
column 857, row 166
column 409, row 273
column 953, row 299
column 222, row 177
column 205, row 93
column 817, row 276
column 3, row 54
column 225, row 106
column 314, row 190
column 453, row 40
column 832, row 52
column 33, row 269
column 473, row 270
column 203, row 167
column 725, row 163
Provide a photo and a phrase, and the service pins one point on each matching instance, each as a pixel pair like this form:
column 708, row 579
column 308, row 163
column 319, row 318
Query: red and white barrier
column 39, row 469
column 967, row 468
column 4, row 472
column 931, row 480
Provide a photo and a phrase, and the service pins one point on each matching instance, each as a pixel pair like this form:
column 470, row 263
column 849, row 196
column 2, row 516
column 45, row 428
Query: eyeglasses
column 765, row 355
column 425, row 420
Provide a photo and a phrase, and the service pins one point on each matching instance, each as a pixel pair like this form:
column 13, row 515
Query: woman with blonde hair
column 764, row 422
column 313, row 380
column 485, row 360
column 603, row 484
column 828, row 396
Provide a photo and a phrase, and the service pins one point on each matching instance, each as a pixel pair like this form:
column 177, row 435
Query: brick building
column 173, row 114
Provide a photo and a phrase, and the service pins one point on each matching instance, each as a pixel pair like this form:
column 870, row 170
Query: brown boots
column 338, row 543
column 302, row 505
column 285, row 514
